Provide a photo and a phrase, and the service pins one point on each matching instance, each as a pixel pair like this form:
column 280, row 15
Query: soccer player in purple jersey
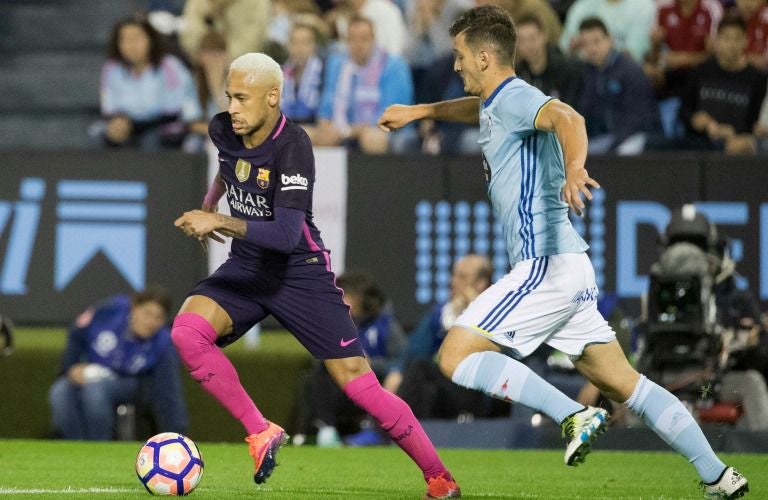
column 279, row 266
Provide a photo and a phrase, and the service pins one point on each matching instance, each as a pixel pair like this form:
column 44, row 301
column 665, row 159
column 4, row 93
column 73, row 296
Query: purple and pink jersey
column 278, row 173
column 297, row 288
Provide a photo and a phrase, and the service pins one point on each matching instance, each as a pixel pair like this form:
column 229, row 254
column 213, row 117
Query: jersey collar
column 503, row 84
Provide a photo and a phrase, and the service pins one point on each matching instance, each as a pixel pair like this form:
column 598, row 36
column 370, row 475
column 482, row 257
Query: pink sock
column 397, row 419
column 194, row 339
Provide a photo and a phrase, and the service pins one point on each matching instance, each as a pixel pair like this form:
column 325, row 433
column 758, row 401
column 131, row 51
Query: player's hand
column 578, row 182
column 199, row 224
column 396, row 116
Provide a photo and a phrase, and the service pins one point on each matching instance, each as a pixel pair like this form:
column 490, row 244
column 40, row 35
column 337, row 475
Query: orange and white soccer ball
column 169, row 464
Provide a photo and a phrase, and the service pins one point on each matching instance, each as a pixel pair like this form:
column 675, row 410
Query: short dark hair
column 157, row 45
column 153, row 293
column 530, row 19
column 372, row 298
column 490, row 25
column 732, row 21
column 594, row 23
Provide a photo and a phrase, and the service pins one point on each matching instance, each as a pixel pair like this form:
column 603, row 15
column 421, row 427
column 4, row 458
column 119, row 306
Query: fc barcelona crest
column 262, row 179
column 242, row 170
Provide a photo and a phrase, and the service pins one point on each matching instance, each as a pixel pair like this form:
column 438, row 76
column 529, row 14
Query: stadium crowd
column 647, row 75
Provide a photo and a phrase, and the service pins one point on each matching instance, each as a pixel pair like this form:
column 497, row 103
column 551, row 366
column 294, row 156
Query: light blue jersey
column 525, row 172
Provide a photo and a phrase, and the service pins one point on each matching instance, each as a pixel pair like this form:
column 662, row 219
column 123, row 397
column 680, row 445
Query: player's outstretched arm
column 558, row 117
column 463, row 109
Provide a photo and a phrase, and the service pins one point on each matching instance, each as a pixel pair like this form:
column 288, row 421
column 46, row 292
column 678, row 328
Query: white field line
column 40, row 491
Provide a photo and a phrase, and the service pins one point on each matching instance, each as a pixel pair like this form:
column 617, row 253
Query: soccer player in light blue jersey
column 534, row 151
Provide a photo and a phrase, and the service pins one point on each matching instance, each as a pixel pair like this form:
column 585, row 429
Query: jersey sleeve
column 519, row 108
column 296, row 174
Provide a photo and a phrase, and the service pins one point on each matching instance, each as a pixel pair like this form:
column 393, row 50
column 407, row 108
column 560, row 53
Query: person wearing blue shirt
column 415, row 376
column 358, row 85
column 534, row 150
column 118, row 352
column 148, row 97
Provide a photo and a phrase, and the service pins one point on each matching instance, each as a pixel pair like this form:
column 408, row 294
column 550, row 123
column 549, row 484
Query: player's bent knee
column 448, row 362
column 344, row 370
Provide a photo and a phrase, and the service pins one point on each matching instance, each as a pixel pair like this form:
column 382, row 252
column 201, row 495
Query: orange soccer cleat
column 442, row 487
column 263, row 448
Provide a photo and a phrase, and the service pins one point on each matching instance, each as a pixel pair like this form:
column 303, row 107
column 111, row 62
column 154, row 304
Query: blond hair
column 259, row 68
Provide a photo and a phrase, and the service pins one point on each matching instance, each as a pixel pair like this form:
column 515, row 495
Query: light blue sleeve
column 396, row 84
column 110, row 89
column 330, row 80
column 518, row 108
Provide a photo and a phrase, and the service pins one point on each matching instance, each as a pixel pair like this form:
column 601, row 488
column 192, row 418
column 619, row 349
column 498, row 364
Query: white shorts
column 550, row 300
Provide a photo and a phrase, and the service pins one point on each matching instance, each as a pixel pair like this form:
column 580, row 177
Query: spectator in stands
column 358, row 85
column 722, row 104
column 118, row 352
column 539, row 8
column 628, row 21
column 679, row 42
column 681, row 37
column 213, row 33
column 382, row 339
column 386, row 17
column 417, row 378
column 210, row 73
column 302, row 74
column 441, row 82
column 755, row 15
column 428, row 39
column 148, row 98
column 617, row 100
column 543, row 65
column 286, row 13
column 242, row 24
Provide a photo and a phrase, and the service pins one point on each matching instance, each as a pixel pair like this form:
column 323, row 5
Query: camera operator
column 745, row 349
column 701, row 330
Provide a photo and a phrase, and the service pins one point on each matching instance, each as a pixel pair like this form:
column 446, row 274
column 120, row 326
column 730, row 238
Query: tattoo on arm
column 231, row 226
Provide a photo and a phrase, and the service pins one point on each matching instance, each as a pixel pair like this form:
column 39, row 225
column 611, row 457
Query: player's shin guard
column 667, row 416
column 397, row 419
column 195, row 339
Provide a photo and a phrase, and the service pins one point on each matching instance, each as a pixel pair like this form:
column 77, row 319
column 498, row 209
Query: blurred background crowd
column 647, row 75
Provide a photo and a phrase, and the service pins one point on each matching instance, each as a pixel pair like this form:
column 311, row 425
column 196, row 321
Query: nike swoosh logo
column 345, row 343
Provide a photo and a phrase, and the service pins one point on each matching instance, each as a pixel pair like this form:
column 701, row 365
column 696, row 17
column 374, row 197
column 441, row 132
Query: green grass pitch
column 72, row 470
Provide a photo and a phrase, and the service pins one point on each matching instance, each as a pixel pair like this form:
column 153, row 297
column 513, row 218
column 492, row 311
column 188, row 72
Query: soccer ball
column 169, row 464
